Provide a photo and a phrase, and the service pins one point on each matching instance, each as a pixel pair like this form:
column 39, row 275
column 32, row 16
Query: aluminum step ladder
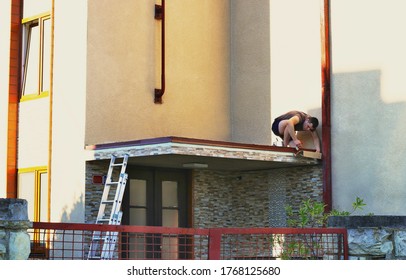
column 103, row 243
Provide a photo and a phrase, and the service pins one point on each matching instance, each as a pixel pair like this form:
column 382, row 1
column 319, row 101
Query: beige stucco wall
column 250, row 71
column 5, row 7
column 123, row 66
column 369, row 104
column 296, row 59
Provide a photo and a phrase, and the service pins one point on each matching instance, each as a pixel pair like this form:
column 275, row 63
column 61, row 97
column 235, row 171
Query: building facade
column 189, row 90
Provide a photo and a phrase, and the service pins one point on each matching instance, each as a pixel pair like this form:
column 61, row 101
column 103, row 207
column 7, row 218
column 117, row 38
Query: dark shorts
column 275, row 128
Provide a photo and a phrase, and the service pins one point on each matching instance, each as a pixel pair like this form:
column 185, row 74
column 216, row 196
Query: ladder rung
column 108, row 202
column 115, row 218
column 117, row 164
column 112, row 183
column 97, row 238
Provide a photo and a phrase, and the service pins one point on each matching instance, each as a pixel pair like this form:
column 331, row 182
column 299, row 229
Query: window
column 33, row 187
column 36, row 51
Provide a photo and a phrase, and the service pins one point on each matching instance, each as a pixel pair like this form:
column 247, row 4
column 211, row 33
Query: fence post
column 345, row 241
column 214, row 243
column 14, row 239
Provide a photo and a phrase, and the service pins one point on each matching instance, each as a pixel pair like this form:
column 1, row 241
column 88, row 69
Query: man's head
column 311, row 124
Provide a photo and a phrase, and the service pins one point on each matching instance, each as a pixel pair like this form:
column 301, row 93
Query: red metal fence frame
column 69, row 239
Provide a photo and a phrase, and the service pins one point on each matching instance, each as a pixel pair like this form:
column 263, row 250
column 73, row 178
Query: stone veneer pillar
column 14, row 239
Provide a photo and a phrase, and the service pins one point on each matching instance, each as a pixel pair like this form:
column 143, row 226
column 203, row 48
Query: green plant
column 311, row 214
column 358, row 204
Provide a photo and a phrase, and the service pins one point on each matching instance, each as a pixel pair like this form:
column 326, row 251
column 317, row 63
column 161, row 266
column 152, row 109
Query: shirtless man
column 285, row 126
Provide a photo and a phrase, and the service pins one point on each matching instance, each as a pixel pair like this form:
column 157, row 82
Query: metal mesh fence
column 62, row 241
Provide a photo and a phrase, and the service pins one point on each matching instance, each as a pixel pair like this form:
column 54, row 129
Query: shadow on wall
column 368, row 138
column 76, row 215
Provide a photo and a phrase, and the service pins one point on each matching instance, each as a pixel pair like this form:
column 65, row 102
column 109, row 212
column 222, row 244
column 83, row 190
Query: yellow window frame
column 27, row 25
column 38, row 171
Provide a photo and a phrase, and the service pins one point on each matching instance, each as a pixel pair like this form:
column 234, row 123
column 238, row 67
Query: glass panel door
column 170, row 209
column 138, row 202
column 155, row 197
column 170, row 217
column 137, row 216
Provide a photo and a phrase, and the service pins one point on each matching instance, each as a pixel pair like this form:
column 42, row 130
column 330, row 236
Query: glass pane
column 170, row 248
column 138, row 217
column 138, row 192
column 46, row 56
column 44, row 197
column 170, row 217
column 32, row 61
column 137, row 246
column 26, row 190
column 169, row 194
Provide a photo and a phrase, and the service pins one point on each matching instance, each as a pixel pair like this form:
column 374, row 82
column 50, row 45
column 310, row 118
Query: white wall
column 5, row 8
column 36, row 7
column 33, row 133
column 295, row 58
column 69, row 98
column 369, row 104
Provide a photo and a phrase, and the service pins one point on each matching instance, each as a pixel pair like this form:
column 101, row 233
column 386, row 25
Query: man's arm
column 290, row 132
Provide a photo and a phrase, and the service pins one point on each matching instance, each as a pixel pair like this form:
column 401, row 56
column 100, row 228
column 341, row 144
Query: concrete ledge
column 367, row 221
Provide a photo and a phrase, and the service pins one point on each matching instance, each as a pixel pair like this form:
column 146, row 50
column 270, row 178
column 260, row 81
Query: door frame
column 154, row 178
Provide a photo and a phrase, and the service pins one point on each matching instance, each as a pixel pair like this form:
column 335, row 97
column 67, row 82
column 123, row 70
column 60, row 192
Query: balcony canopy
column 178, row 152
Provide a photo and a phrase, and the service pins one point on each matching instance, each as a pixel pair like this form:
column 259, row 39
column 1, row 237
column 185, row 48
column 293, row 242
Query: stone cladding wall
column 252, row 199
column 377, row 243
column 374, row 237
column 93, row 191
column 232, row 199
